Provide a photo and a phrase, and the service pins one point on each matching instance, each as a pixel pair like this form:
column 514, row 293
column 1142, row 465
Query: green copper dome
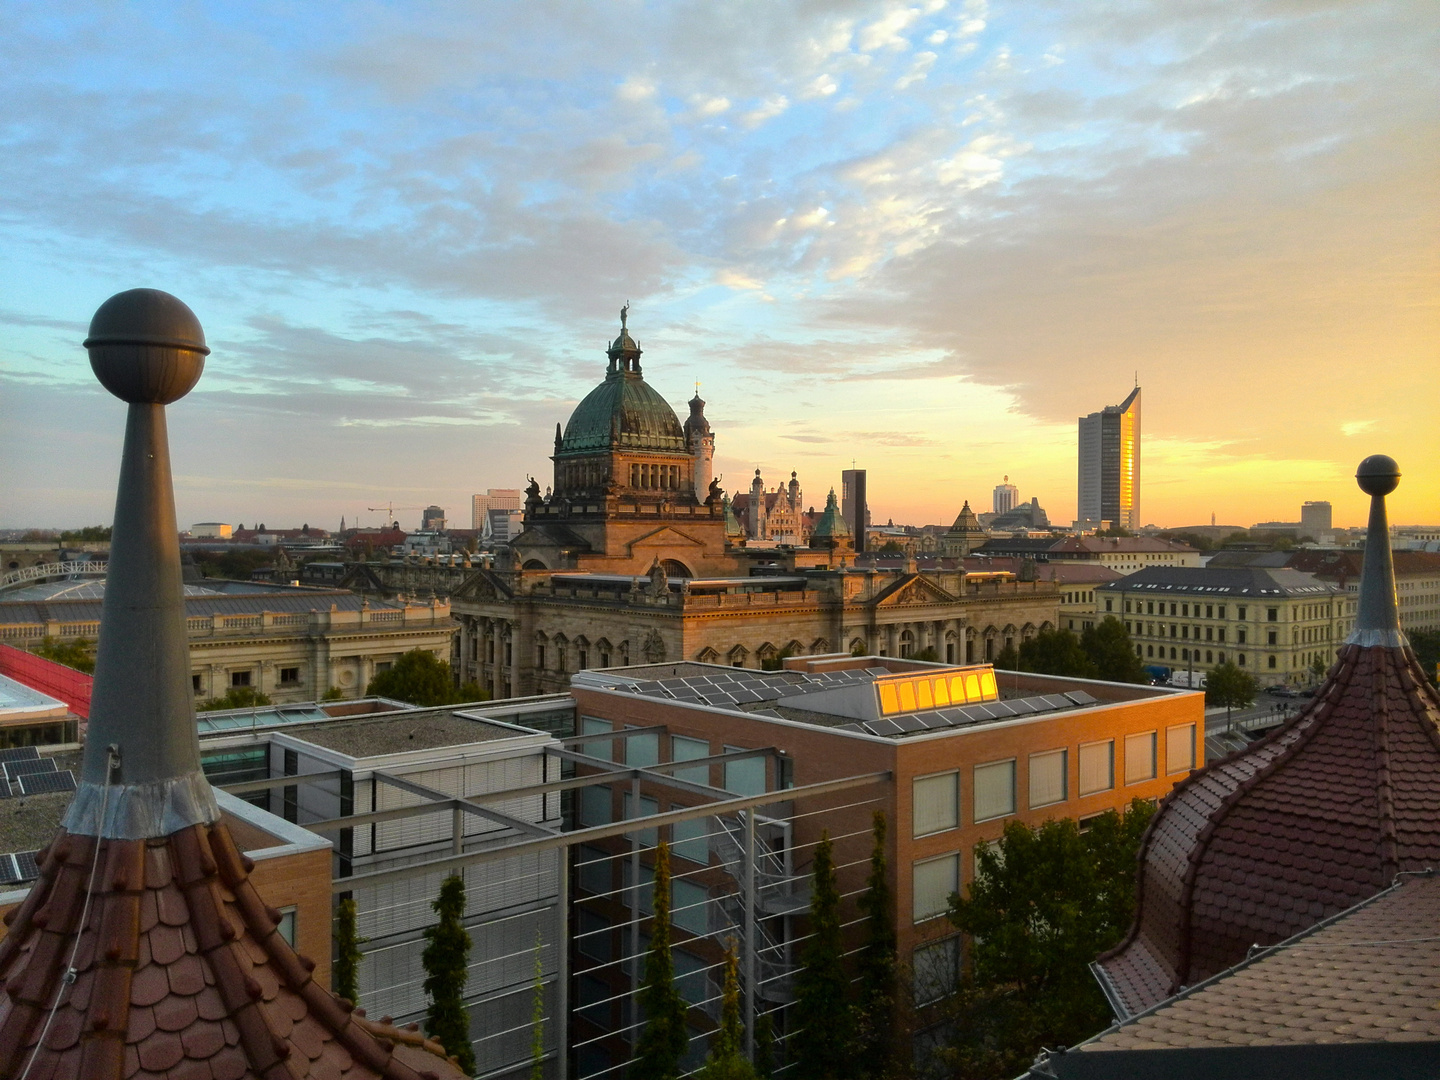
column 625, row 412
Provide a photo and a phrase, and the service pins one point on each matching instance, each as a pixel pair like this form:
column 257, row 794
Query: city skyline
column 924, row 237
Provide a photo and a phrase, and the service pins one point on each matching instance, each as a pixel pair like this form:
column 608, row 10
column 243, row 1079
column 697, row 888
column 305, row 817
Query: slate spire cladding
column 143, row 949
column 1321, row 815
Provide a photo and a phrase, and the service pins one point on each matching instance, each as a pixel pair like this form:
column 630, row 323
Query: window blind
column 1097, row 767
column 935, row 803
column 1180, row 748
column 994, row 789
column 934, row 881
column 1049, row 773
column 1139, row 757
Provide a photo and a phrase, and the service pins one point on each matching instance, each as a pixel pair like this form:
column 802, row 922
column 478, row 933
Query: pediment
column 482, row 586
column 913, row 591
column 664, row 537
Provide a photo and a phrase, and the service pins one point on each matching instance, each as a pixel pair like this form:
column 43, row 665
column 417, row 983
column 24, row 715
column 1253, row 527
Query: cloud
column 1351, row 428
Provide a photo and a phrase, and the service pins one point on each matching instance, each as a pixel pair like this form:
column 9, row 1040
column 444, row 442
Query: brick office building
column 959, row 752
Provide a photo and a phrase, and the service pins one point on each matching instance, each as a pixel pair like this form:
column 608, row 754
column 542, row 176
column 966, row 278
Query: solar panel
column 936, row 720
column 877, row 671
column 882, row 727
column 16, row 769
column 9, row 874
column 743, row 696
column 789, row 690
column 909, row 722
column 4, row 788
column 19, row 753
column 27, row 862
column 1022, row 706
column 1080, row 697
column 1058, row 701
column 953, row 716
column 718, row 697
column 42, row 783
column 999, row 709
column 849, row 727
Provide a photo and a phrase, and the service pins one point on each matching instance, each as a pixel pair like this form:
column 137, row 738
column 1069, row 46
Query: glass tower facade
column 1109, row 487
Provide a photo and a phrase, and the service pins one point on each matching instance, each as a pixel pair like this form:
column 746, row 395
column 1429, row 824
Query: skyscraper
column 1110, row 464
column 853, row 507
column 1315, row 518
column 1005, row 497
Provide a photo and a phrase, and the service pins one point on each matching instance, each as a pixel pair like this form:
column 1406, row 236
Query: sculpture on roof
column 1322, row 814
column 143, row 948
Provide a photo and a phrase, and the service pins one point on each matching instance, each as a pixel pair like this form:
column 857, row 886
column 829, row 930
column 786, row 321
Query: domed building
column 635, row 556
column 632, row 486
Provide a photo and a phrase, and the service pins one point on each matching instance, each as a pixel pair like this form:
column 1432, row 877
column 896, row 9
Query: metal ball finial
column 1378, row 475
column 146, row 347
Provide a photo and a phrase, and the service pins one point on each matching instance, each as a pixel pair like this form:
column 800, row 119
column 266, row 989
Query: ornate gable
column 911, row 591
column 483, row 586
column 664, row 538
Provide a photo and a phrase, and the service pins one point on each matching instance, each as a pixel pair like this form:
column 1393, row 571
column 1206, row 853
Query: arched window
column 675, row 568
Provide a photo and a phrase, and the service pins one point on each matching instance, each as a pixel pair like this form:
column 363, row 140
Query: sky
column 922, row 237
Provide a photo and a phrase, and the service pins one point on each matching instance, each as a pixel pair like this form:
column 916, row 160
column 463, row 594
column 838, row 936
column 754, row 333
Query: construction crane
column 390, row 509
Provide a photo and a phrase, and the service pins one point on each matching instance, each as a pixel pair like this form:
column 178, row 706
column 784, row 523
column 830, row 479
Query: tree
column 1110, row 649
column 1317, row 668
column 89, row 534
column 1056, row 652
column 875, row 1013
column 929, row 653
column 537, row 1014
column 74, row 654
column 890, row 547
column 820, row 1048
column 664, row 1039
column 726, row 1060
column 446, row 959
column 419, row 677
column 237, row 697
column 1426, row 644
column 333, row 694
column 1044, row 903
column 1227, row 685
column 1009, row 659
column 764, row 1047
column 345, row 978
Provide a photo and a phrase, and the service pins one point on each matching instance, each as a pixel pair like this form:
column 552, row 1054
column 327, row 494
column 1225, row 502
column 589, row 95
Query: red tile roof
column 179, row 972
column 1312, row 820
column 1369, row 975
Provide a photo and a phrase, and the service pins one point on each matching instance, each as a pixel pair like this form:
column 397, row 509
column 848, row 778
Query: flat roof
column 872, row 700
column 399, row 733
column 18, row 700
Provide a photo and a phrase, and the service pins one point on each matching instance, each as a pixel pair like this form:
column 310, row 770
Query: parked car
column 1283, row 691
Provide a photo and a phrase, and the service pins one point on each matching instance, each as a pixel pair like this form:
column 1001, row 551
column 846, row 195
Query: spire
column 146, row 348
column 1377, row 622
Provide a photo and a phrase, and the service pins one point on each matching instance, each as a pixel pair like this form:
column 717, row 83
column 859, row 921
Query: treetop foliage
column 422, row 678
column 822, row 1043
column 446, row 960
column 1103, row 651
column 1230, row 687
column 664, row 1039
column 1044, row 904
column 75, row 654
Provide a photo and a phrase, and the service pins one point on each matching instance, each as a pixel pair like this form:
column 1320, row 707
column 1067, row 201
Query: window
column 1097, row 767
column 649, row 806
column 195, row 683
column 1180, row 748
column 239, row 678
column 289, row 676
column 690, row 977
column 1242, row 659
column 935, row 803
column 1273, row 638
column 1241, row 637
column 1049, row 775
column 594, row 1003
column 1140, row 757
column 684, row 748
column 1272, row 614
column 994, row 790
column 1107, row 604
column 584, row 661
column 745, row 777
column 937, row 970
column 1270, row 662
column 286, row 926
column 592, row 935
column 935, row 880
column 691, row 904
column 642, row 751
column 594, row 725
column 595, row 805
column 540, row 657
column 1240, row 613
column 689, row 840
column 592, row 870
